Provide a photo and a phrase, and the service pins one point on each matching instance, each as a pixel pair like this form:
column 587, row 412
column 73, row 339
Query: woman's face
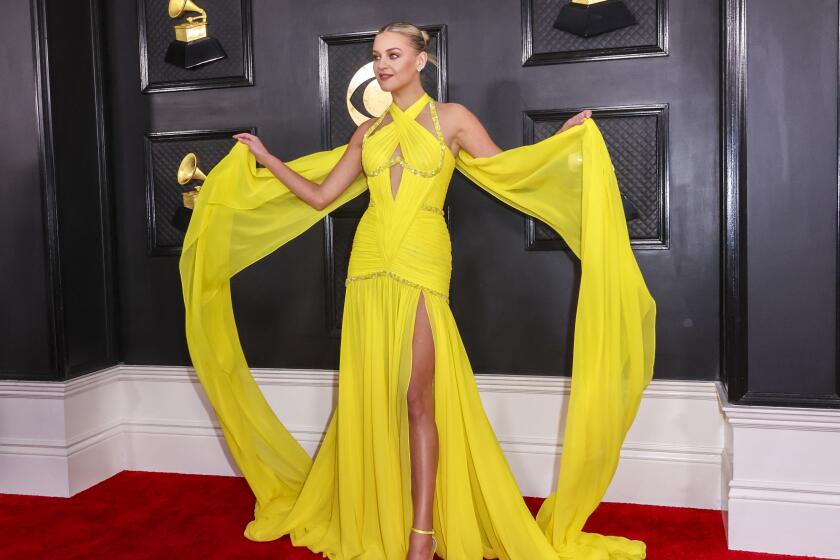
column 395, row 60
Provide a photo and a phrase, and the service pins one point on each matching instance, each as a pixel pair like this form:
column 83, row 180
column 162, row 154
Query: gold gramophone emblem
column 195, row 27
column 191, row 47
column 364, row 97
column 189, row 171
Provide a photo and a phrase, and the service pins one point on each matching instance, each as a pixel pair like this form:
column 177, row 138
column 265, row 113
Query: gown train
column 353, row 499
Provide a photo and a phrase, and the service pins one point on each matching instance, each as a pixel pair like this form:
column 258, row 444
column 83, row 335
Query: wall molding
column 148, row 85
column 163, row 150
column 61, row 352
column 688, row 446
column 46, row 151
column 776, row 502
column 530, row 58
column 661, row 143
column 59, row 438
column 733, row 135
column 734, row 180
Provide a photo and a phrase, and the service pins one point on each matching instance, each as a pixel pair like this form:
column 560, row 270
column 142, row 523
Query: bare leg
column 423, row 434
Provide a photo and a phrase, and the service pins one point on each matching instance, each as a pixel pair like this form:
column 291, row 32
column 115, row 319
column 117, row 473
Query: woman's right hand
column 575, row 120
column 255, row 145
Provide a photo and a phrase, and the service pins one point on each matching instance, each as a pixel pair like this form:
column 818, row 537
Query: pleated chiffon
column 353, row 499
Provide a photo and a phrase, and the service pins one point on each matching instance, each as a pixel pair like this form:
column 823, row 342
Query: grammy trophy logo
column 192, row 47
column 365, row 99
column 188, row 171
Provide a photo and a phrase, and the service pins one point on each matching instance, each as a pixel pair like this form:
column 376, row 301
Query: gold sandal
column 423, row 532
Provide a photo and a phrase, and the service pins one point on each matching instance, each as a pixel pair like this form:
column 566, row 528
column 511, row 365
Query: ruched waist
column 426, row 207
column 423, row 257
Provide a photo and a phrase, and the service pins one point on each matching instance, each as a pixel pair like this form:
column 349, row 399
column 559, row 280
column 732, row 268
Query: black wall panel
column 746, row 277
column 82, row 202
column 59, row 304
column 514, row 307
column 792, row 163
column 25, row 349
column 781, row 145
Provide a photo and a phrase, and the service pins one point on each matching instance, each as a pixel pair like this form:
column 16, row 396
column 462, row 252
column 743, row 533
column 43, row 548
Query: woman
column 408, row 450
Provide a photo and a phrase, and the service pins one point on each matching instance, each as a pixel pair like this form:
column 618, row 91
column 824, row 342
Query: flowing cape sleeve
column 568, row 182
column 242, row 214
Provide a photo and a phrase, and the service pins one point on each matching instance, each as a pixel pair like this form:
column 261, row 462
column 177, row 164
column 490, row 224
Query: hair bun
column 426, row 38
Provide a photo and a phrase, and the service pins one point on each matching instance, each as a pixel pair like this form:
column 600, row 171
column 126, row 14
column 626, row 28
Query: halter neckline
column 412, row 109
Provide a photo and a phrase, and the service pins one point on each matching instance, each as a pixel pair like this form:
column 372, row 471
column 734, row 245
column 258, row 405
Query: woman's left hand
column 575, row 120
column 254, row 144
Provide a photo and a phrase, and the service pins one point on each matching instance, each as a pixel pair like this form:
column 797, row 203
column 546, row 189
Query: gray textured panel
column 164, row 154
column 542, row 43
column 225, row 24
column 638, row 154
column 343, row 230
column 548, row 39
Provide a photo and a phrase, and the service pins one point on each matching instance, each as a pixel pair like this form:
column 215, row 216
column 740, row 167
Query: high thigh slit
column 422, row 427
column 400, row 250
column 352, row 500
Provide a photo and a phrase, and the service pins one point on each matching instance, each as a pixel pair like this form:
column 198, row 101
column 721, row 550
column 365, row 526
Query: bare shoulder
column 469, row 132
column 456, row 113
column 466, row 128
column 359, row 134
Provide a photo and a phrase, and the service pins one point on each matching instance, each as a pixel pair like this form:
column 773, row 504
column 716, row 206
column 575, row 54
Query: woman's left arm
column 470, row 134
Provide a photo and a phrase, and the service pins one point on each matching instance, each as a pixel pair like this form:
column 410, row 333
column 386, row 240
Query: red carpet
column 136, row 515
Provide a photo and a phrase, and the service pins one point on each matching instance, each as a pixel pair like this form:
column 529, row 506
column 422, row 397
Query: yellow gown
column 353, row 500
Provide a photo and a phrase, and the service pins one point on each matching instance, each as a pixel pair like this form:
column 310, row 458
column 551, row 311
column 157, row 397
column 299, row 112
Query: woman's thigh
column 420, row 387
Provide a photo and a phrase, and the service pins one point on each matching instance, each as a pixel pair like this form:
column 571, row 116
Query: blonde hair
column 419, row 37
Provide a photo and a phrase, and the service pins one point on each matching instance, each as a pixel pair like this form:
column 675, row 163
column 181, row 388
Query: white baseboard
column 782, row 471
column 775, row 472
column 671, row 455
column 56, row 439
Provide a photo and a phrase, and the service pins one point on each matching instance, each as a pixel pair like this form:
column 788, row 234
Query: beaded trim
column 399, row 159
column 396, row 277
column 424, row 206
column 434, row 209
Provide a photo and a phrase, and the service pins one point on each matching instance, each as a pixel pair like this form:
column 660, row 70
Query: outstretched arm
column 471, row 135
column 317, row 196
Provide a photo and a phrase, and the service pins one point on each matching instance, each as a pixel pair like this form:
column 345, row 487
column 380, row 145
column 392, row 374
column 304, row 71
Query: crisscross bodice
column 405, row 235
column 406, row 142
column 403, row 120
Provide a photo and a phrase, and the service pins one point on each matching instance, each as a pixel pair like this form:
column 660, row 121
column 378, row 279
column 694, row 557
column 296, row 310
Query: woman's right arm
column 318, row 196
column 473, row 137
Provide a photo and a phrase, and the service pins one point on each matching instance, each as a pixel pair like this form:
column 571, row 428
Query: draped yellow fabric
column 353, row 500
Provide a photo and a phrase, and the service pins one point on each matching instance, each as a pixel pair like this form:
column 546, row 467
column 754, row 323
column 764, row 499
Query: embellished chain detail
column 398, row 278
column 373, row 126
column 399, row 159
column 434, row 209
column 423, row 206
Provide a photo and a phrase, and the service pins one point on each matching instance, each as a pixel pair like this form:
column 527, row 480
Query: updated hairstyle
column 419, row 37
